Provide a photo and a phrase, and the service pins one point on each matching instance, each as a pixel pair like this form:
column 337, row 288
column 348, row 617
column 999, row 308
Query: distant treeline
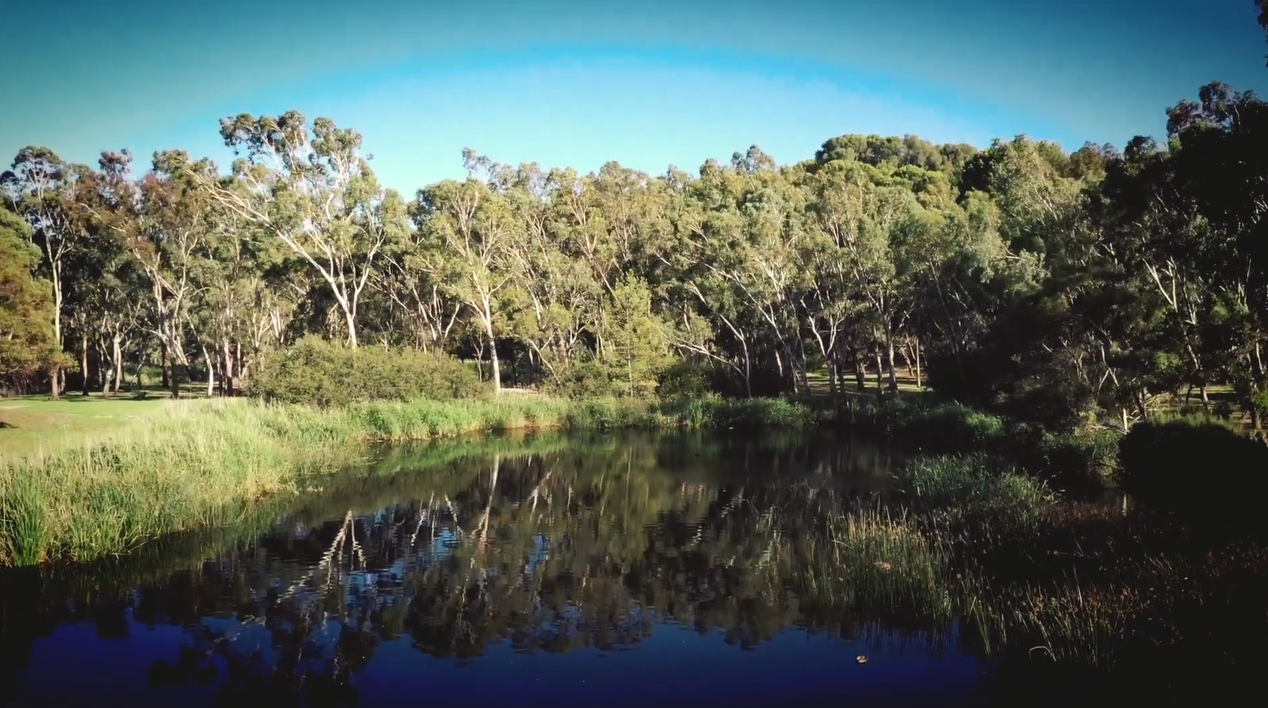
column 1050, row 286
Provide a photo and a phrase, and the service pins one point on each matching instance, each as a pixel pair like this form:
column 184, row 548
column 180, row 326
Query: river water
column 627, row 570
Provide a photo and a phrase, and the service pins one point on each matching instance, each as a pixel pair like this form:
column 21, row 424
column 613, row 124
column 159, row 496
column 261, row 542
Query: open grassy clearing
column 35, row 425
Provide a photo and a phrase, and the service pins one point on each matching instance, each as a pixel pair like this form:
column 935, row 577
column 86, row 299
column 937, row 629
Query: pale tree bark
column 699, row 345
column 211, row 372
column 116, row 344
column 475, row 231
column 338, row 230
column 83, row 364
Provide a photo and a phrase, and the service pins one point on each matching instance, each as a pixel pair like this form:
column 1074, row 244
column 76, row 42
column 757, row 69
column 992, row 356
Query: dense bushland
column 984, row 274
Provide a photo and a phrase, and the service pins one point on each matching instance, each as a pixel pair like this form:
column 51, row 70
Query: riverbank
column 190, row 464
column 204, row 463
column 961, row 545
column 1031, row 574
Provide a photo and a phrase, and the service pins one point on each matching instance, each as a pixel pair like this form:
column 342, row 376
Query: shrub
column 951, row 426
column 1088, row 455
column 585, row 379
column 972, row 483
column 1193, row 461
column 317, row 372
column 683, row 379
column 942, row 427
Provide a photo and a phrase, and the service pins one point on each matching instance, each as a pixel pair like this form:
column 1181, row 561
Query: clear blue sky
column 564, row 82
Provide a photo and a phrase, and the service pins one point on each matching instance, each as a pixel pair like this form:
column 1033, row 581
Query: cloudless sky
column 649, row 84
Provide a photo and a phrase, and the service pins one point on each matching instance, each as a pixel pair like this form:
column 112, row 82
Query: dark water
column 637, row 570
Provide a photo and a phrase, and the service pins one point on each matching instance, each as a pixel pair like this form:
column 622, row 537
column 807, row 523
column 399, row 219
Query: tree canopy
column 26, row 306
column 1057, row 286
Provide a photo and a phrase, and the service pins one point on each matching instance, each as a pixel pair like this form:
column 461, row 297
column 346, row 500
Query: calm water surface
column 630, row 570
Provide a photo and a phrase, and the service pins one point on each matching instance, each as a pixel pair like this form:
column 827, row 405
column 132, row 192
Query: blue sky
column 565, row 82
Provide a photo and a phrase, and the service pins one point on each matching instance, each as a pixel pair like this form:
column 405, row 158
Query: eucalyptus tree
column 864, row 222
column 710, row 320
column 832, row 308
column 164, row 221
column 106, row 312
column 40, row 187
column 312, row 189
column 27, row 344
column 470, row 231
column 711, row 257
column 242, row 298
column 959, row 271
column 557, row 295
column 423, row 307
column 752, row 241
column 1220, row 161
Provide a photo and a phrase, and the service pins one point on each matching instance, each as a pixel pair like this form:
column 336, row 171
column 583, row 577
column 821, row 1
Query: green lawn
column 34, row 424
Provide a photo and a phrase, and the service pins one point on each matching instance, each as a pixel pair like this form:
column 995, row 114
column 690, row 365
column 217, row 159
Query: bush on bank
column 1193, row 461
column 325, row 374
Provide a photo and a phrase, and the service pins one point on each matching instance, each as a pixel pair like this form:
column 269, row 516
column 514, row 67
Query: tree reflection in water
column 578, row 544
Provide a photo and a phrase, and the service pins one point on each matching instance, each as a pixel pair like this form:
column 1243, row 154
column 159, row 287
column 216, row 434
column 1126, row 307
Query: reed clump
column 1082, row 582
column 878, row 564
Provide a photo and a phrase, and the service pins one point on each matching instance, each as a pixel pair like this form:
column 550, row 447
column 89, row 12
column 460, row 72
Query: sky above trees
column 579, row 83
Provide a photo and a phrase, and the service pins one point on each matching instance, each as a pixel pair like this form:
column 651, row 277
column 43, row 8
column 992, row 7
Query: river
column 633, row 569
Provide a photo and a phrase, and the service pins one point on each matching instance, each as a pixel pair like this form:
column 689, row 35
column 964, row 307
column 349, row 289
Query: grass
column 877, row 563
column 33, row 425
column 205, row 463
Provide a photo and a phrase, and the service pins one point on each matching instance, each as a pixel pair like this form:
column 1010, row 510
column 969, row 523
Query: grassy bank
column 88, row 492
column 205, row 463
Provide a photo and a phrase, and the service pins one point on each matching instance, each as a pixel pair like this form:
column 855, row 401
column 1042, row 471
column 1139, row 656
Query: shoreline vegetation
column 204, row 463
column 199, row 463
column 183, row 467
column 968, row 536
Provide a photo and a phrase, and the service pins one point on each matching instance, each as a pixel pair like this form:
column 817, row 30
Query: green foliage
column 207, row 463
column 971, row 482
column 27, row 345
column 635, row 348
column 1051, row 288
column 683, row 379
column 945, row 426
column 933, row 427
column 585, row 379
column 321, row 373
column 1087, row 453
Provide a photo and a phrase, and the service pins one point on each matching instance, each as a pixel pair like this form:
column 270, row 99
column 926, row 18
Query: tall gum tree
column 558, row 294
column 471, row 230
column 41, row 187
column 313, row 189
column 27, row 346
column 164, row 221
